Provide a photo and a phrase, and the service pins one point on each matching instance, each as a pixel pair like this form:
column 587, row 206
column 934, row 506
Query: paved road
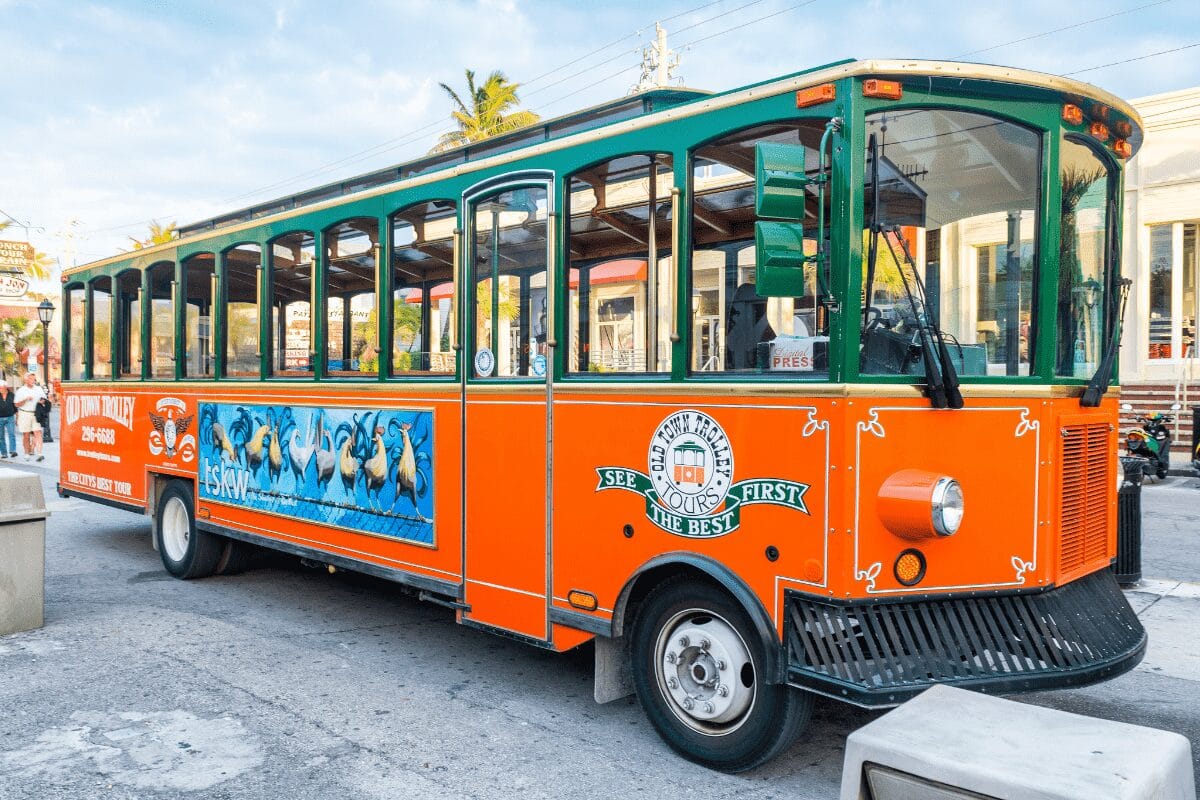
column 285, row 682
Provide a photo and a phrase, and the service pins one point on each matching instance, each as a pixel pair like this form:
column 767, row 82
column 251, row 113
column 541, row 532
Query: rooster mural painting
column 382, row 458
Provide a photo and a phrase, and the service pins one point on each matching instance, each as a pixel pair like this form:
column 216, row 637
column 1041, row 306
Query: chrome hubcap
column 705, row 671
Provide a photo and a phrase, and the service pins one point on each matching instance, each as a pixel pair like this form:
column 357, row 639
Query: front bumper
column 881, row 653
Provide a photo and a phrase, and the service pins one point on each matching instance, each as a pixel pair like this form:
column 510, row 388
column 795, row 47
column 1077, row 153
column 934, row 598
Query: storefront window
column 1173, row 267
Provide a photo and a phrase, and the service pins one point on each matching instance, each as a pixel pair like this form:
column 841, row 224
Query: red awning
column 443, row 291
column 625, row 270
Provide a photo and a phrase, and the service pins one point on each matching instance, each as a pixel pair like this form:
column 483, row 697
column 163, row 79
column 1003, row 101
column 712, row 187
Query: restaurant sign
column 15, row 255
column 13, row 286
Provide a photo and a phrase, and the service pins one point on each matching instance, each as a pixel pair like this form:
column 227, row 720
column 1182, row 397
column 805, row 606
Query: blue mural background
column 361, row 469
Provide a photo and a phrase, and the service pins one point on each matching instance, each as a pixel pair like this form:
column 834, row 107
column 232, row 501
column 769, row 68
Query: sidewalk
column 49, row 449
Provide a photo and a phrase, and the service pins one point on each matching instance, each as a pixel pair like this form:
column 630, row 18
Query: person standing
column 42, row 414
column 26, row 399
column 8, row 423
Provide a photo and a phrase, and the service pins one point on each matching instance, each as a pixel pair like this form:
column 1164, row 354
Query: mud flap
column 613, row 678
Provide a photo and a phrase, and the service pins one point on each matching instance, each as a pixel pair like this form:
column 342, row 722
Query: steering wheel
column 873, row 318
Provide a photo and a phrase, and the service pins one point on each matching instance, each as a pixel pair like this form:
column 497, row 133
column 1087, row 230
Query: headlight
column 947, row 506
column 916, row 504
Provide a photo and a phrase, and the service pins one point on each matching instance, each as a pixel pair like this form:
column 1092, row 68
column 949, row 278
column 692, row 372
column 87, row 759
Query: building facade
column 1162, row 256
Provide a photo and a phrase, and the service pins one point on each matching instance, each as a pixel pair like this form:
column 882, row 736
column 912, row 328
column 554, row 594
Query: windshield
column 959, row 192
column 1082, row 294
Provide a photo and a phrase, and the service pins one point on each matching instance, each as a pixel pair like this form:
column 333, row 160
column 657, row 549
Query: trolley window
column 241, row 282
column 129, row 324
column 162, row 320
column 351, row 319
column 199, row 280
column 293, row 258
column 423, row 329
column 101, row 357
column 75, row 324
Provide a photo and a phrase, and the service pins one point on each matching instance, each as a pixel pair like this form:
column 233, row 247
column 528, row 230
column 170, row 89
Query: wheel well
column 704, row 570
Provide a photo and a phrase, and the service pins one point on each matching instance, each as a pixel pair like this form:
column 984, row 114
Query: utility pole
column 658, row 63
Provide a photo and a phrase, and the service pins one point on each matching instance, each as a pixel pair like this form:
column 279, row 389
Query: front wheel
column 698, row 669
column 185, row 551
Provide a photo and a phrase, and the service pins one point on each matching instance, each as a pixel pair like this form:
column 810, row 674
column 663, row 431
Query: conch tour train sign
column 689, row 488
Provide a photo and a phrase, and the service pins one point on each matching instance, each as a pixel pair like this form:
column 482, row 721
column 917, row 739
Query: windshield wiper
column 941, row 376
column 1115, row 299
column 941, row 380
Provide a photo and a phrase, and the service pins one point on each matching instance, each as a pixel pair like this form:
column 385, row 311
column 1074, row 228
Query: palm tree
column 159, row 234
column 39, row 266
column 490, row 110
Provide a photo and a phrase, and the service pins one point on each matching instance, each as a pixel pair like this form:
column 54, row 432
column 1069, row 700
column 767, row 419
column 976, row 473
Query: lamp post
column 45, row 311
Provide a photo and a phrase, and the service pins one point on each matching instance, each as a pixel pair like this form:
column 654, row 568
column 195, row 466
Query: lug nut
column 671, row 658
column 721, row 665
column 672, row 683
column 723, row 690
column 705, row 644
column 708, row 708
column 688, row 704
column 684, row 641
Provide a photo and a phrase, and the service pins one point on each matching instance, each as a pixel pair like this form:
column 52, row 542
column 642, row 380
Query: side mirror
column 779, row 180
column 780, row 255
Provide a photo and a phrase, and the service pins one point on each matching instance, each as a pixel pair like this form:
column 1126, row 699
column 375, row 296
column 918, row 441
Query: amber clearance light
column 1072, row 114
column 1122, row 148
column 885, row 90
column 909, row 568
column 916, row 504
column 815, row 95
column 1099, row 130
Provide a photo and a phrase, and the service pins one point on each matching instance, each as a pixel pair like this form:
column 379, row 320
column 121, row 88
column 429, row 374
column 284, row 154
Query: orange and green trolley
column 797, row 389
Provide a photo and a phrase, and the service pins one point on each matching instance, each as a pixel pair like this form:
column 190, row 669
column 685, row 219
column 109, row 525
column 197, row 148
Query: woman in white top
column 27, row 398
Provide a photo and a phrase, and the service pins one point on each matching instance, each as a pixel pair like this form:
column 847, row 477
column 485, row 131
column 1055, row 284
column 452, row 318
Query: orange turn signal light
column 909, row 568
column 815, row 95
column 1122, row 148
column 1122, row 128
column 1072, row 114
column 585, row 600
column 1099, row 130
column 885, row 90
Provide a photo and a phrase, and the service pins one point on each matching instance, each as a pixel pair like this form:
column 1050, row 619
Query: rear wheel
column 698, row 670
column 185, row 551
column 236, row 557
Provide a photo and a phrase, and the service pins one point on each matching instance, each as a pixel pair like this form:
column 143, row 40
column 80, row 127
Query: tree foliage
column 159, row 234
column 489, row 109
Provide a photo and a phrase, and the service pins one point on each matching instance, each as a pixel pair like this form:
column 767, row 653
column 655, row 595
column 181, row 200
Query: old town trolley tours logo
column 690, row 490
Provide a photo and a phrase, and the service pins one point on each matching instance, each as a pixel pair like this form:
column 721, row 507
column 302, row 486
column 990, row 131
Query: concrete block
column 22, row 551
column 1007, row 750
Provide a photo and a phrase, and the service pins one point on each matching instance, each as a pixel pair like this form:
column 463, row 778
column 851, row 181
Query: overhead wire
column 1135, row 58
column 417, row 133
column 1060, row 30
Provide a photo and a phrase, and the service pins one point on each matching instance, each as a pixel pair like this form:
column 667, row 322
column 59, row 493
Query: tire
column 186, row 552
column 236, row 557
column 686, row 634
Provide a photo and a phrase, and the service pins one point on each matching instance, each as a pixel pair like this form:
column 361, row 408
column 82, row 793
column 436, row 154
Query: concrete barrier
column 950, row 743
column 22, row 551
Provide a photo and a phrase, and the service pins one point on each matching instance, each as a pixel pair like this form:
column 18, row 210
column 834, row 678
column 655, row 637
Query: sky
column 116, row 114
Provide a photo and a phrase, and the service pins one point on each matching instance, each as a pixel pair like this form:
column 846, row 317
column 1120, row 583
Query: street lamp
column 45, row 311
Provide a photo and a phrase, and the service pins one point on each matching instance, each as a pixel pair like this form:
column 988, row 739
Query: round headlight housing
column 947, row 505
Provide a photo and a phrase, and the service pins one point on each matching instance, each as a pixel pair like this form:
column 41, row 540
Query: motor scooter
column 1152, row 441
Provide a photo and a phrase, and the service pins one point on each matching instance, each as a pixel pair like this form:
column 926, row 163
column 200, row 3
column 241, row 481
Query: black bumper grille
column 881, row 653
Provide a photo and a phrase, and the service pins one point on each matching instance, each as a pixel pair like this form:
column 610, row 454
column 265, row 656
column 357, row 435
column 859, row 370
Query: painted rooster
column 375, row 469
column 254, row 433
column 411, row 480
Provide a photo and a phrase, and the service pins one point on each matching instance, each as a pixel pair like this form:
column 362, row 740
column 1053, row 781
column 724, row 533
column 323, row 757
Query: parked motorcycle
column 1152, row 441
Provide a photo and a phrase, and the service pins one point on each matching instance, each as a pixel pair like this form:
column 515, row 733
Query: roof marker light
column 815, row 95
column 1099, row 130
column 885, row 90
column 1072, row 114
column 1122, row 148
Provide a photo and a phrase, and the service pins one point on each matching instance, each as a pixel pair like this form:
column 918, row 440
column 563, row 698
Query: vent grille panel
column 1087, row 482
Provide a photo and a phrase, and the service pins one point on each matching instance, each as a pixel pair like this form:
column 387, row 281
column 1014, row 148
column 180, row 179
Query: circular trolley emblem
column 691, row 463
column 689, row 489
column 485, row 362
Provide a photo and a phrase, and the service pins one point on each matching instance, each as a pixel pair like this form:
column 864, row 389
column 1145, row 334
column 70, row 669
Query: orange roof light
column 884, row 90
column 1072, row 114
column 1099, row 130
column 815, row 95
column 1122, row 148
column 1100, row 111
column 1123, row 128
